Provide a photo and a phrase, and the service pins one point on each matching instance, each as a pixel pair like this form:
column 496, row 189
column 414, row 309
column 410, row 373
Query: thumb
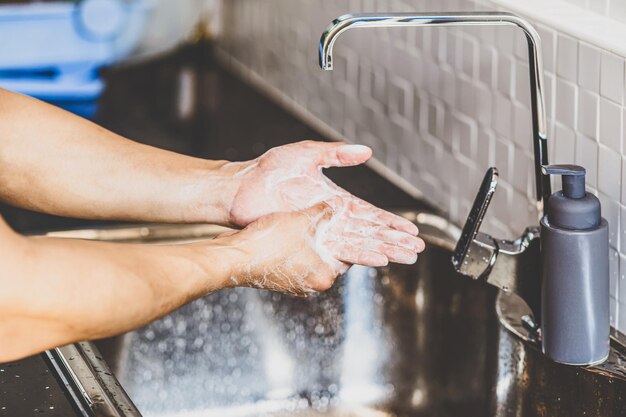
column 342, row 155
column 333, row 154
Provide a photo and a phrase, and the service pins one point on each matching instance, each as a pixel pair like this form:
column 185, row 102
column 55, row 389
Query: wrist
column 217, row 265
column 211, row 193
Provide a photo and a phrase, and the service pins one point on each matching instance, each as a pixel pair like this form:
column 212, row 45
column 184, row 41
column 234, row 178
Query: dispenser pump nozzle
column 572, row 178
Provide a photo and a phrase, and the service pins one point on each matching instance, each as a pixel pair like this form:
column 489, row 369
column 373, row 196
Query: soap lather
column 575, row 272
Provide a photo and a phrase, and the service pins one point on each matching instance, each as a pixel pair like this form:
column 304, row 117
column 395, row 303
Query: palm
column 290, row 178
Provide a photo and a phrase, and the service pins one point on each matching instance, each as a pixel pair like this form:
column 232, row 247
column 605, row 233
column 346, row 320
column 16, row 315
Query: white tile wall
column 615, row 9
column 440, row 105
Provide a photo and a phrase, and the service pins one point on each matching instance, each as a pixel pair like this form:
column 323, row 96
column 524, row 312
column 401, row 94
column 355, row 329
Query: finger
column 354, row 254
column 392, row 252
column 356, row 227
column 337, row 154
column 227, row 233
column 392, row 238
column 397, row 254
column 401, row 239
column 363, row 209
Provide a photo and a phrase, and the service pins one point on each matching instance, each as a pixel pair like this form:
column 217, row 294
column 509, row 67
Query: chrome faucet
column 512, row 266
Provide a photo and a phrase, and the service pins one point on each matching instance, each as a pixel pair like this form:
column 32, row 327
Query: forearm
column 55, row 162
column 60, row 291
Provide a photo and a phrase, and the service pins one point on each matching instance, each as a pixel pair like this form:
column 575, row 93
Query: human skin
column 58, row 291
column 300, row 231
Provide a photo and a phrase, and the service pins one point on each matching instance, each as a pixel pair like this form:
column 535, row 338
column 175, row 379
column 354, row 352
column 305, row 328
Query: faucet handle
column 482, row 255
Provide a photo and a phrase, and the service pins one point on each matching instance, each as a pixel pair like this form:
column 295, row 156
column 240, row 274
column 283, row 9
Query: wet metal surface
column 30, row 388
column 399, row 341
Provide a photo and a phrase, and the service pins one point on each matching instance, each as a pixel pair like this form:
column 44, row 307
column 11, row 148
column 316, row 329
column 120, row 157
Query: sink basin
column 400, row 341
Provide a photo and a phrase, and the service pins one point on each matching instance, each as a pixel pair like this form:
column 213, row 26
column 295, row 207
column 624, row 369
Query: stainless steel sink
column 397, row 341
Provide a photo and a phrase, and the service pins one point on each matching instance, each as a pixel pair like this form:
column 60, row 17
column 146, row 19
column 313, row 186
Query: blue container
column 54, row 50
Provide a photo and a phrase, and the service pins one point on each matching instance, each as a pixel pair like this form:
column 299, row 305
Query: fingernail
column 354, row 149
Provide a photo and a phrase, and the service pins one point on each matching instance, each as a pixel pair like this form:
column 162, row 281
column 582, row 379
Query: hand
column 290, row 177
column 304, row 251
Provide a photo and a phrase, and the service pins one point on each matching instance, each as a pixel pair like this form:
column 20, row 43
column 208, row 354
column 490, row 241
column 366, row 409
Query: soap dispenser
column 575, row 273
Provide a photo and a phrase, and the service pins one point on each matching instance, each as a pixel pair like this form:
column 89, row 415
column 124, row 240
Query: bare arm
column 58, row 291
column 56, row 162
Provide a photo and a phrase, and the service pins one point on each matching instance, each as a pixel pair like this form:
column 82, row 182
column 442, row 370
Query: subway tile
column 623, row 200
column 452, row 42
column 466, row 96
column 400, row 97
column 469, row 54
column 522, row 127
column 611, row 212
column 618, row 289
column 448, row 85
column 567, row 58
column 449, row 119
column 565, row 145
column 485, row 155
column 612, row 77
column 518, row 223
column 588, row 113
column 589, row 67
column 486, row 65
column 620, row 314
column 434, row 118
column 502, row 115
column 522, row 83
column 465, row 133
column 617, row 10
column 614, row 274
column 484, row 100
column 622, row 239
column 505, row 39
column 566, row 99
column 522, row 165
column 599, row 6
column 587, row 156
column 580, row 3
column 501, row 203
column 548, row 43
column 433, row 79
column 504, row 157
column 609, row 172
column 521, row 47
column 550, row 92
column 420, row 108
column 610, row 124
column 505, row 74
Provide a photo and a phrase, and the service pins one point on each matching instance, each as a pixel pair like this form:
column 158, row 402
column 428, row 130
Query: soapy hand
column 290, row 178
column 300, row 252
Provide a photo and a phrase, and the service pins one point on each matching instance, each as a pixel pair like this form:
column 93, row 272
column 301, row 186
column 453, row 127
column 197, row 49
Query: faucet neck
column 539, row 121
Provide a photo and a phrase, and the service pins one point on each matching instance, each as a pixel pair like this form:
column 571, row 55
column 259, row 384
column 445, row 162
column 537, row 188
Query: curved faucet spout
column 539, row 123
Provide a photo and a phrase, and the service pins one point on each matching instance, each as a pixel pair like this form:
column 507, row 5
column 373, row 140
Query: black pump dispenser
column 572, row 208
column 575, row 273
